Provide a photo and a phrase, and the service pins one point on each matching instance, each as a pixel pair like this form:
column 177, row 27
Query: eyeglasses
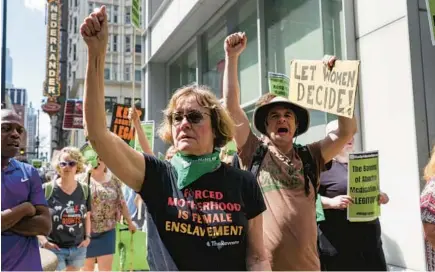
column 193, row 117
column 67, row 163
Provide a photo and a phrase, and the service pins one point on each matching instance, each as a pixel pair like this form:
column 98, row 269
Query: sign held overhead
column 314, row 85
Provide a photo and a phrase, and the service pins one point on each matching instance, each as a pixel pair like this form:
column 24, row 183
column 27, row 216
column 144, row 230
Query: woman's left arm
column 256, row 258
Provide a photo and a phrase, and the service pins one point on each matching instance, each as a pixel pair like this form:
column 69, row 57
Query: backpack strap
column 310, row 168
column 259, row 155
column 235, row 162
column 86, row 186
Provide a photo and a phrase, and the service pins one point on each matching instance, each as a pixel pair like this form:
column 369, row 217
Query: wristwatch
column 88, row 236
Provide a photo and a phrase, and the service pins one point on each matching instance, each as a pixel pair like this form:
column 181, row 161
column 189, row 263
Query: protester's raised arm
column 234, row 45
column 347, row 127
column 335, row 141
column 121, row 159
column 142, row 138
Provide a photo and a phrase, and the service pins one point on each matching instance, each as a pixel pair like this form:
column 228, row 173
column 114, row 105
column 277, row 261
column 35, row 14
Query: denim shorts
column 70, row 257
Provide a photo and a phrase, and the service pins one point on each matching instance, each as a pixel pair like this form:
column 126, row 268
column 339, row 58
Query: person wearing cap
column 24, row 209
column 353, row 246
column 290, row 229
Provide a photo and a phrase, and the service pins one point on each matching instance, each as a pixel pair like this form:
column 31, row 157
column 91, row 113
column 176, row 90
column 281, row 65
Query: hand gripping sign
column 314, row 85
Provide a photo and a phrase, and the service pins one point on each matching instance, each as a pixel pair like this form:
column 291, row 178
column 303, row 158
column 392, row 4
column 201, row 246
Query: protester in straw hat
column 287, row 183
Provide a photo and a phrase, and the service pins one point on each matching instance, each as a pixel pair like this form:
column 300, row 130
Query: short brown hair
column 222, row 124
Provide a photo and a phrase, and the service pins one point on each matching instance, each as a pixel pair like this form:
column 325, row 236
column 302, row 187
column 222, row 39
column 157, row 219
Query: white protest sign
column 313, row 85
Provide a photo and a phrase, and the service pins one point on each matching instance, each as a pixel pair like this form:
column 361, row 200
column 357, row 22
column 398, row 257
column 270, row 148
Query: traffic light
column 22, row 151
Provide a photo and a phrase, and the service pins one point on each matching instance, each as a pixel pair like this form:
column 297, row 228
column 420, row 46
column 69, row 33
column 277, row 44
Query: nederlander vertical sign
column 52, row 84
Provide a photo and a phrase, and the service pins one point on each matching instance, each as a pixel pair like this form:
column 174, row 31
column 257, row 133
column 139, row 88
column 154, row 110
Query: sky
column 26, row 40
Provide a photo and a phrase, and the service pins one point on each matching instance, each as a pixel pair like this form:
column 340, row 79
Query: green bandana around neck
column 190, row 168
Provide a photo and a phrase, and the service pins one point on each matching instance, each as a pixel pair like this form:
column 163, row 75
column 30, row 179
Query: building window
column 90, row 7
column 76, row 3
column 242, row 17
column 70, row 20
column 115, row 43
column 73, row 76
column 109, row 13
column 110, row 102
column 115, row 14
column 137, row 76
column 114, row 74
column 300, row 30
column 127, row 73
column 107, row 73
column 18, row 92
column 183, row 70
column 138, row 46
column 74, row 52
column 69, row 47
column 12, row 95
column 127, row 15
column 127, row 101
column 69, row 69
column 127, row 43
column 75, row 25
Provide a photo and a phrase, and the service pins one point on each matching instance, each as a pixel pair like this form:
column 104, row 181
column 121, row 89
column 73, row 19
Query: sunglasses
column 193, row 117
column 67, row 163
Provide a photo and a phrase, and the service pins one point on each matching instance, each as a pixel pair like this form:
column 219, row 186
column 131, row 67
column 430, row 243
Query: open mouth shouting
column 282, row 131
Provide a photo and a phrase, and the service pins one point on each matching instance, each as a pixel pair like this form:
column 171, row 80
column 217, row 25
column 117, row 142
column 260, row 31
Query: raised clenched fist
column 235, row 44
column 94, row 31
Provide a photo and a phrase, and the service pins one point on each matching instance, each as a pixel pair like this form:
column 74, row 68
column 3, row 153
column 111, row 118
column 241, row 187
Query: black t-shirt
column 204, row 226
column 343, row 234
column 68, row 216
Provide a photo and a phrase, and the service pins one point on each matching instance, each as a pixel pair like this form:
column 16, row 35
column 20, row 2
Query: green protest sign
column 37, row 163
column 148, row 129
column 131, row 250
column 320, row 215
column 231, row 148
column 430, row 5
column 279, row 84
column 135, row 13
column 363, row 186
column 91, row 157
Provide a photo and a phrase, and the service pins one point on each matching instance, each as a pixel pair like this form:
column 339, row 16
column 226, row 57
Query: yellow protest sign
column 313, row 85
column 363, row 186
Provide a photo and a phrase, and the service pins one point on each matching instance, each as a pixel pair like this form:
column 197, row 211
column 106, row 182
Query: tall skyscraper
column 31, row 131
column 119, row 73
column 8, row 69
